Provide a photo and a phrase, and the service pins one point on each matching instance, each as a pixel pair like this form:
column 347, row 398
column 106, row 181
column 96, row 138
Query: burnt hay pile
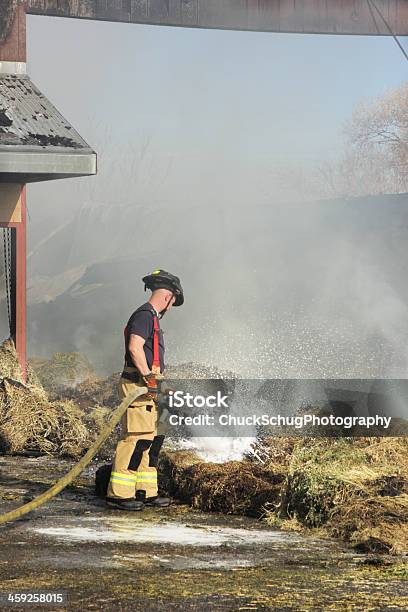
column 234, row 487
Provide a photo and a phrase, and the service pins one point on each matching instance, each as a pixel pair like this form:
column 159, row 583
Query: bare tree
column 375, row 156
column 378, row 132
column 359, row 173
column 383, row 126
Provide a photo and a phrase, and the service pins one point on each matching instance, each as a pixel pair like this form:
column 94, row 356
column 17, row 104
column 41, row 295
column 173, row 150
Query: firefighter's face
column 172, row 299
column 169, row 300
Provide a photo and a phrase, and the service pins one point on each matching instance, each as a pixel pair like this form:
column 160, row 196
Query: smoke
column 311, row 290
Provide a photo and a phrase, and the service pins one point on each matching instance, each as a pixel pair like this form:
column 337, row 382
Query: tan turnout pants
column 136, row 455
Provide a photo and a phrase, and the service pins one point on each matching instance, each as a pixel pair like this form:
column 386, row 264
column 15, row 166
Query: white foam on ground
column 130, row 530
column 220, row 450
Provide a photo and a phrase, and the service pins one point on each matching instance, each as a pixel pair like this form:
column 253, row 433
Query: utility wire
column 371, row 4
column 7, row 270
column 9, row 275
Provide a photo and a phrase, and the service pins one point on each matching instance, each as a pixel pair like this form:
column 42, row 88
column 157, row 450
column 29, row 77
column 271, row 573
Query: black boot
column 158, row 502
column 154, row 501
column 130, row 504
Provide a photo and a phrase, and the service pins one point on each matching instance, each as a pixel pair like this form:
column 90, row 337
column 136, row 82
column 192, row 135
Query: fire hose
column 78, row 467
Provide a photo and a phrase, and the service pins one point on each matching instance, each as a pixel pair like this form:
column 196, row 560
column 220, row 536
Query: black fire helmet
column 160, row 279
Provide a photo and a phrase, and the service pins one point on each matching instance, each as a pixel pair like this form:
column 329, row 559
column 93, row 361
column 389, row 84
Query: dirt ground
column 176, row 558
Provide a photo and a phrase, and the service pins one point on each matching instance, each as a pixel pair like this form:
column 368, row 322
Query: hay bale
column 95, row 392
column 28, row 421
column 9, row 365
column 373, row 523
column 235, row 487
column 63, row 370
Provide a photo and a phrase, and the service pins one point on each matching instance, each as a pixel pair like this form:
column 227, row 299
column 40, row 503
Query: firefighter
column 133, row 481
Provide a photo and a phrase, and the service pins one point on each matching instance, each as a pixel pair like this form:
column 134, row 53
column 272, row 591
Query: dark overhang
column 362, row 17
column 36, row 142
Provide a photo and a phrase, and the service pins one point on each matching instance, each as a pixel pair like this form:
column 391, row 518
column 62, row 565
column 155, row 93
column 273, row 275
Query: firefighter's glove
column 151, row 384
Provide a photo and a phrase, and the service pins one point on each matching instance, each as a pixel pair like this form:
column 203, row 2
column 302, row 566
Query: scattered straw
column 29, row 421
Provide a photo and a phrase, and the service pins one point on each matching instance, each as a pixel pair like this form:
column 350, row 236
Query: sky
column 206, row 115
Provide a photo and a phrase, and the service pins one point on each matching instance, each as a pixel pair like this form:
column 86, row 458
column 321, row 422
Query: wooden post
column 13, row 216
column 20, row 295
column 13, row 35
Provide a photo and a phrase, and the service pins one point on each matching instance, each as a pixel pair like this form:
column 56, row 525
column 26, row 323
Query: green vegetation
column 356, row 489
